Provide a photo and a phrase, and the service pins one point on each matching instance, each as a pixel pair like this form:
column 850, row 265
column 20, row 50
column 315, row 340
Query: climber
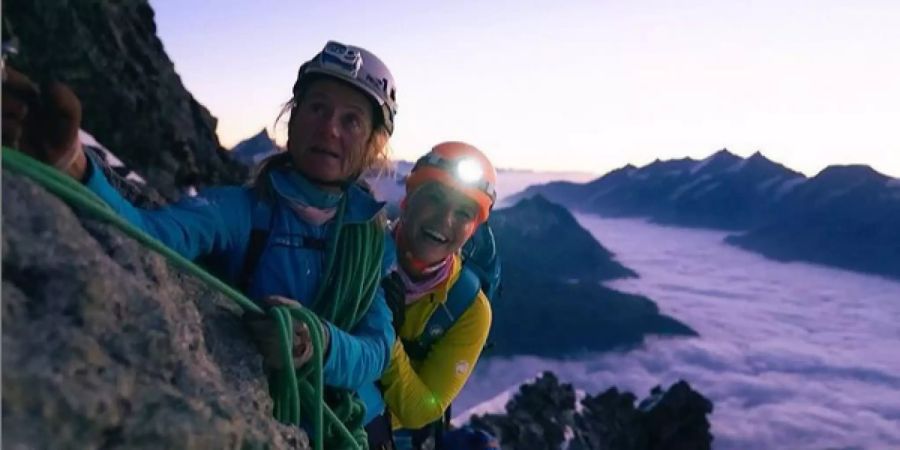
column 443, row 317
column 272, row 237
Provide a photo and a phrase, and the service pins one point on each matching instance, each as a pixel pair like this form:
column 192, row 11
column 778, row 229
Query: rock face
column 105, row 345
column 674, row 419
column 543, row 415
column 132, row 99
column 552, row 303
column 535, row 226
column 538, row 417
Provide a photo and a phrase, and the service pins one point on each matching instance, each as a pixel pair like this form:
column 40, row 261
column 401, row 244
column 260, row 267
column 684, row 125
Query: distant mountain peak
column 850, row 172
column 536, row 229
column 264, row 133
column 757, row 161
column 758, row 155
column 724, row 154
column 254, row 149
column 538, row 201
column 719, row 160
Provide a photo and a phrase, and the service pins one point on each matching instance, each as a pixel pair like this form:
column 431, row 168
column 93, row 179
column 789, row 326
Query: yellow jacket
column 418, row 392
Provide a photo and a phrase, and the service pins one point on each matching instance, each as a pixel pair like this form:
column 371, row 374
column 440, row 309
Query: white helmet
column 359, row 67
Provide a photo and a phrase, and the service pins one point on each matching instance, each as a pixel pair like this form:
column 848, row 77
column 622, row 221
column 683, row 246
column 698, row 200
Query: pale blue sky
column 580, row 85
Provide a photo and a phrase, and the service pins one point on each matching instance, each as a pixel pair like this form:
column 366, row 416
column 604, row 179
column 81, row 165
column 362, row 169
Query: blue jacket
column 217, row 223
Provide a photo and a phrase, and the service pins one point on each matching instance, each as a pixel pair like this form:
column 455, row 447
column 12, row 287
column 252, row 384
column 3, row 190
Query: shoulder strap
column 462, row 294
column 480, row 255
column 263, row 218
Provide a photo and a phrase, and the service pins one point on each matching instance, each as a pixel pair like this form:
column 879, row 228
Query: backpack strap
column 462, row 294
column 480, row 255
column 263, row 219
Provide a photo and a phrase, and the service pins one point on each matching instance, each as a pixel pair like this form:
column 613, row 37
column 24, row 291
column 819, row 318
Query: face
column 437, row 221
column 329, row 131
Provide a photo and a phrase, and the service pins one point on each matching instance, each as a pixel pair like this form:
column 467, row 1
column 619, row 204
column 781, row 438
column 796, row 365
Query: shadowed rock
column 105, row 345
column 542, row 415
column 132, row 99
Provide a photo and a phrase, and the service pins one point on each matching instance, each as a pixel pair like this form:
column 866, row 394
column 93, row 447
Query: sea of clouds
column 793, row 355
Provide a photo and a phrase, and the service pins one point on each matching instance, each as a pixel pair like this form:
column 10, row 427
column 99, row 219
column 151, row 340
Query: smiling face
column 437, row 221
column 329, row 131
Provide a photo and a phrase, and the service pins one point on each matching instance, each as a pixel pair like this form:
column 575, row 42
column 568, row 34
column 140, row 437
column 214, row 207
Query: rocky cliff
column 543, row 415
column 133, row 101
column 105, row 345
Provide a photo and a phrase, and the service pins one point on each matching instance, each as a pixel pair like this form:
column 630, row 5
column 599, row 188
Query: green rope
column 346, row 291
column 345, row 294
column 74, row 193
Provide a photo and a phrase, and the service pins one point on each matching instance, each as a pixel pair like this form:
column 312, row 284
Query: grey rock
column 133, row 100
column 542, row 415
column 106, row 345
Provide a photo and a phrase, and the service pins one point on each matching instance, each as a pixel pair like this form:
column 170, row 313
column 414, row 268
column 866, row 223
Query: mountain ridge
column 772, row 209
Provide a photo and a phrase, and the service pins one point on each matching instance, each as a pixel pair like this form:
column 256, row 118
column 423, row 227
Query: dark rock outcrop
column 105, row 345
column 551, row 272
column 542, row 415
column 674, row 419
column 538, row 417
column 132, row 99
column 546, row 238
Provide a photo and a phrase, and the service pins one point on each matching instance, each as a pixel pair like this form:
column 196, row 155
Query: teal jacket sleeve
column 192, row 227
column 359, row 357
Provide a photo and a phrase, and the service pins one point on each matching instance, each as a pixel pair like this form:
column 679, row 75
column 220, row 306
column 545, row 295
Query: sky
column 793, row 355
column 577, row 85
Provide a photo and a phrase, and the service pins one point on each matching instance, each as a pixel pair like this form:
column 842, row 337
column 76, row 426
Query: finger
column 51, row 126
column 17, row 85
column 301, row 331
column 301, row 336
column 14, row 112
column 62, row 111
column 18, row 93
column 302, row 353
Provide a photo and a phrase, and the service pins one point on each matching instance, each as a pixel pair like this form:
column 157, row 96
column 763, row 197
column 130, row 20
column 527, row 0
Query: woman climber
column 444, row 317
column 304, row 234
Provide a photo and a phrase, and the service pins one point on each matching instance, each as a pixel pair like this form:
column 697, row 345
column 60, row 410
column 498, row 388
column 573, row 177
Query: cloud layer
column 793, row 355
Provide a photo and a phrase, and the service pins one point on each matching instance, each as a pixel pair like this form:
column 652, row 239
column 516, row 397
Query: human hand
column 268, row 340
column 43, row 122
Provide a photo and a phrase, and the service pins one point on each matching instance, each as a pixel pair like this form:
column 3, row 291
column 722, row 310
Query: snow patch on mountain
column 787, row 186
column 706, row 189
column 111, row 159
column 767, row 184
column 689, row 185
column 737, row 167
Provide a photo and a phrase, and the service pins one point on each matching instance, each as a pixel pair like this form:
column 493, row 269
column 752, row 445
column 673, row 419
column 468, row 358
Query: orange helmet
column 461, row 167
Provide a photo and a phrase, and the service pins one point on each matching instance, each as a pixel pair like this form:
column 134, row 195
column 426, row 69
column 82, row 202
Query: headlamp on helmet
column 459, row 166
column 361, row 69
column 469, row 171
column 342, row 58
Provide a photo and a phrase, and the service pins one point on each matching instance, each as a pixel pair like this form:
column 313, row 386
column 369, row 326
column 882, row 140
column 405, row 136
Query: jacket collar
column 292, row 186
column 442, row 290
